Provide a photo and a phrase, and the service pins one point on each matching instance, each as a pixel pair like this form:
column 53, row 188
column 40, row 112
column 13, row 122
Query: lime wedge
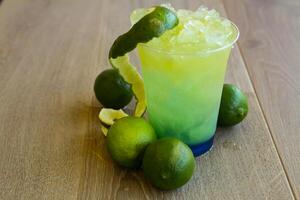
column 109, row 116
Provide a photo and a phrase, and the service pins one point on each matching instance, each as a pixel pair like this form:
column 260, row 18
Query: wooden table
column 51, row 146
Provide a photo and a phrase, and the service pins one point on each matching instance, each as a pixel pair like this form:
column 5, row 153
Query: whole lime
column 127, row 140
column 111, row 89
column 233, row 107
column 168, row 163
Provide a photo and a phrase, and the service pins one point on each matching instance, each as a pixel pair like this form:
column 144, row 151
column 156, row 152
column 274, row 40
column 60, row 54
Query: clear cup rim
column 200, row 52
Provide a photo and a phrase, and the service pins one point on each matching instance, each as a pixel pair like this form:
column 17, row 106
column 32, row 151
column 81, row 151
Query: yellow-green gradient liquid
column 184, row 71
column 183, row 92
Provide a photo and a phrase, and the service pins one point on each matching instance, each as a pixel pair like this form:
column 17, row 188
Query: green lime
column 127, row 140
column 111, row 89
column 234, row 106
column 168, row 163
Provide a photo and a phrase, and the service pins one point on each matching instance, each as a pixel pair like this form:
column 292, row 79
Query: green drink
column 183, row 72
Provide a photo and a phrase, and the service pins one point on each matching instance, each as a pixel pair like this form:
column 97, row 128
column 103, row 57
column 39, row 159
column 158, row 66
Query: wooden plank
column 51, row 146
column 270, row 45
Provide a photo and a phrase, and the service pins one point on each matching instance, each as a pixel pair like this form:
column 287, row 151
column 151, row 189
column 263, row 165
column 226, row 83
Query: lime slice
column 109, row 116
column 156, row 21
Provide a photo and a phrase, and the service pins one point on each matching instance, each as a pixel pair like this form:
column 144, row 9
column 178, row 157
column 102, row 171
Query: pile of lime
column 167, row 163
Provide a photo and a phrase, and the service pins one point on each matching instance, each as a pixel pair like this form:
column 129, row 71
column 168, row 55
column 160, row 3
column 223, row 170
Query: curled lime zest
column 152, row 25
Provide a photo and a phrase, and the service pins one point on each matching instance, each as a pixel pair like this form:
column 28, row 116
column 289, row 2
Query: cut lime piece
column 132, row 76
column 109, row 116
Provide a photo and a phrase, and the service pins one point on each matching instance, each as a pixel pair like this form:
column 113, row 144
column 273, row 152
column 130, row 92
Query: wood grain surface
column 51, row 146
column 270, row 46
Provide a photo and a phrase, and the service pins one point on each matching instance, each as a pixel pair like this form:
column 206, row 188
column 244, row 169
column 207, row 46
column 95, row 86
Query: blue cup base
column 202, row 148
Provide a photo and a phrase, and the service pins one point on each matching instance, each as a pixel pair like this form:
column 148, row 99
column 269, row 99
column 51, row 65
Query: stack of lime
column 167, row 163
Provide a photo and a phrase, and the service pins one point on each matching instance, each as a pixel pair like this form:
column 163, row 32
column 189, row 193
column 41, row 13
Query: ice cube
column 181, row 13
column 202, row 9
column 226, row 23
column 213, row 13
